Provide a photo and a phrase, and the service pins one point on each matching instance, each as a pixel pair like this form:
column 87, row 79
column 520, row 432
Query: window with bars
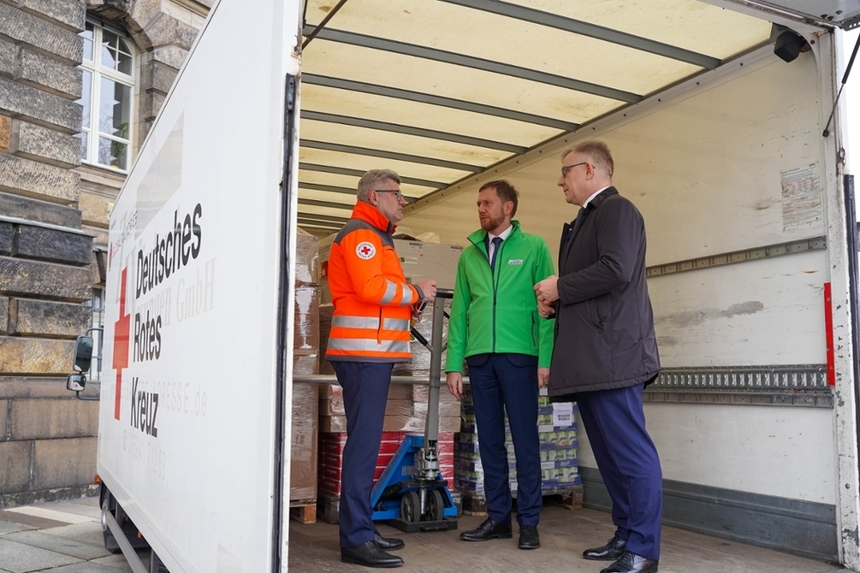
column 108, row 89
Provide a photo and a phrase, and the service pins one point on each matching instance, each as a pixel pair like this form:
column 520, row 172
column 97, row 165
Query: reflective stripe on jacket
column 372, row 300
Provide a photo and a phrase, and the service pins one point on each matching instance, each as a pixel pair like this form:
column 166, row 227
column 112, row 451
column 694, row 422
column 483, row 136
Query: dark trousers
column 508, row 382
column 365, row 391
column 627, row 459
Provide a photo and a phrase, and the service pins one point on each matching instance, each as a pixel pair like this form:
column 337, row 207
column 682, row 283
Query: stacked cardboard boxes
column 558, row 454
column 405, row 411
column 306, row 352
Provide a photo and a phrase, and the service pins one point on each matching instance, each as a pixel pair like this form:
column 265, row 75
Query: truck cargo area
column 717, row 138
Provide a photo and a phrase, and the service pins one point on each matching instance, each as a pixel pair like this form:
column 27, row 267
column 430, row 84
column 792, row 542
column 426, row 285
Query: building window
column 97, row 304
column 106, row 98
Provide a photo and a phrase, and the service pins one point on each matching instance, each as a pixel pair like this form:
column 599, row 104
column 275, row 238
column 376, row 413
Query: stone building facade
column 54, row 206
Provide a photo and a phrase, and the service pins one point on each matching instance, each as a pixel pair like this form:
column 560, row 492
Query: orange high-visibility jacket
column 372, row 300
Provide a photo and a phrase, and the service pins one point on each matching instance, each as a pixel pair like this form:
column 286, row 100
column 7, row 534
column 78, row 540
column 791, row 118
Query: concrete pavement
column 60, row 537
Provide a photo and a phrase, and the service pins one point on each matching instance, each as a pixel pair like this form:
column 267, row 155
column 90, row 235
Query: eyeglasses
column 566, row 168
column 397, row 194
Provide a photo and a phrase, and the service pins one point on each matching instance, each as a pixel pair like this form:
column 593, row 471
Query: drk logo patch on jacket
column 365, row 250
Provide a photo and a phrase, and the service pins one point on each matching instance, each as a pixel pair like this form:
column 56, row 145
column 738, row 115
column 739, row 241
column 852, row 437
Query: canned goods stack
column 558, row 448
column 558, row 453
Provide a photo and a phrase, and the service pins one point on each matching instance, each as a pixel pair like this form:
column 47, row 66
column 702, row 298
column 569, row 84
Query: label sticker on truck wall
column 365, row 250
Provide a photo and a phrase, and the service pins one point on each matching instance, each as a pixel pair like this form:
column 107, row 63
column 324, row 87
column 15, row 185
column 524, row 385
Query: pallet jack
column 411, row 494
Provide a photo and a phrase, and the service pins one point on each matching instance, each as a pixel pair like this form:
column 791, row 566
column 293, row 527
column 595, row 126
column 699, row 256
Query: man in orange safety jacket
column 373, row 306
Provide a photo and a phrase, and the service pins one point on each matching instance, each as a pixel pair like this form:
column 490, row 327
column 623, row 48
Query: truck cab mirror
column 83, row 353
column 76, row 382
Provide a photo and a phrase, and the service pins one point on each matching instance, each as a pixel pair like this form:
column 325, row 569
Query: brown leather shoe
column 613, row 549
column 632, row 563
column 488, row 530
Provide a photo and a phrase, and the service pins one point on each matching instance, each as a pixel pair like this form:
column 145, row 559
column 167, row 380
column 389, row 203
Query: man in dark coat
column 606, row 351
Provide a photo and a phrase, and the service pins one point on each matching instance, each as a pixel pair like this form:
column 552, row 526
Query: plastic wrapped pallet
column 325, row 314
column 307, row 259
column 303, row 449
column 306, row 352
column 306, row 334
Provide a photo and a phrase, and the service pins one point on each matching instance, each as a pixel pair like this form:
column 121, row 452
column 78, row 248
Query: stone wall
column 53, row 214
column 163, row 32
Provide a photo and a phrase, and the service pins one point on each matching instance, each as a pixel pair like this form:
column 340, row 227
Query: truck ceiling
column 443, row 90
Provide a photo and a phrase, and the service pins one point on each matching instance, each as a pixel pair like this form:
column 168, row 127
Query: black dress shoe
column 387, row 543
column 529, row 538
column 488, row 530
column 632, row 563
column 370, row 555
column 613, row 549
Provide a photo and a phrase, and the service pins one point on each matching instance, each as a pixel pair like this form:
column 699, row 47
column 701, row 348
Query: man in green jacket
column 496, row 328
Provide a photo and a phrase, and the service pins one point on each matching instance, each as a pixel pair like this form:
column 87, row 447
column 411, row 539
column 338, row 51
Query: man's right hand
column 429, row 289
column 455, row 383
column 546, row 310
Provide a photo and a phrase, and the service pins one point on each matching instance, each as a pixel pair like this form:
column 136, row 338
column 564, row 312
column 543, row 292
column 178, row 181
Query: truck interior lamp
column 788, row 46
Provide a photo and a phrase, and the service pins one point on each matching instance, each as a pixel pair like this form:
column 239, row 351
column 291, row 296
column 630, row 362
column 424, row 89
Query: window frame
column 98, row 71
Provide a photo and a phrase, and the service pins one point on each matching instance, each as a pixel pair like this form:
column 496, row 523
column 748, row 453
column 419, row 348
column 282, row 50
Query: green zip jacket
column 497, row 311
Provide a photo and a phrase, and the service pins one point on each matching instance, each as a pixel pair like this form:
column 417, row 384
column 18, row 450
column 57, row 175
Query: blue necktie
column 496, row 242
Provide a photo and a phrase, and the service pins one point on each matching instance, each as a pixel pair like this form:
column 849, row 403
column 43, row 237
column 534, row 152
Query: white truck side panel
column 787, row 452
column 758, row 313
column 187, row 418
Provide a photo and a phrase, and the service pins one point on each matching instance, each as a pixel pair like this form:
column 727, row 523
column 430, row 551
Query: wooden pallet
column 328, row 507
column 570, row 498
column 474, row 503
column 304, row 512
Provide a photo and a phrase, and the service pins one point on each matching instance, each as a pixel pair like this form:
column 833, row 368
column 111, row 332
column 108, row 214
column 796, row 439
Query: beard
column 492, row 222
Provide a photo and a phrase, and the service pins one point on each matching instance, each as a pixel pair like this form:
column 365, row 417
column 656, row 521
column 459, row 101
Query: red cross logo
column 365, row 250
column 120, row 344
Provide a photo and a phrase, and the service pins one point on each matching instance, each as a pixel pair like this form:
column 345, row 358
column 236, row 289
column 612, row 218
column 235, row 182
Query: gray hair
column 372, row 178
column 597, row 151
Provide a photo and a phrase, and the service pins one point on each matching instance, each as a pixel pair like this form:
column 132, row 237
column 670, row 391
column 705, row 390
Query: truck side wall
column 188, row 437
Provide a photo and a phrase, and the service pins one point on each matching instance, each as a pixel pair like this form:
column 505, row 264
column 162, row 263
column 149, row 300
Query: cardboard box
column 305, row 362
column 394, row 407
column 412, row 424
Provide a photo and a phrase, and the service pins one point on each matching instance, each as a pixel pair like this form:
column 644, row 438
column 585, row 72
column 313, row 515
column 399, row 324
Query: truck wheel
column 110, row 541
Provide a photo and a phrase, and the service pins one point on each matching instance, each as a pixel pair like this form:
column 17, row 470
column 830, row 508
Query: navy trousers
column 365, row 391
column 627, row 459
column 508, row 382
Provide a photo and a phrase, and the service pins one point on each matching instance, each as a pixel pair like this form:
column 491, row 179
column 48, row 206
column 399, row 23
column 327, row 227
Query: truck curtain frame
column 828, row 55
